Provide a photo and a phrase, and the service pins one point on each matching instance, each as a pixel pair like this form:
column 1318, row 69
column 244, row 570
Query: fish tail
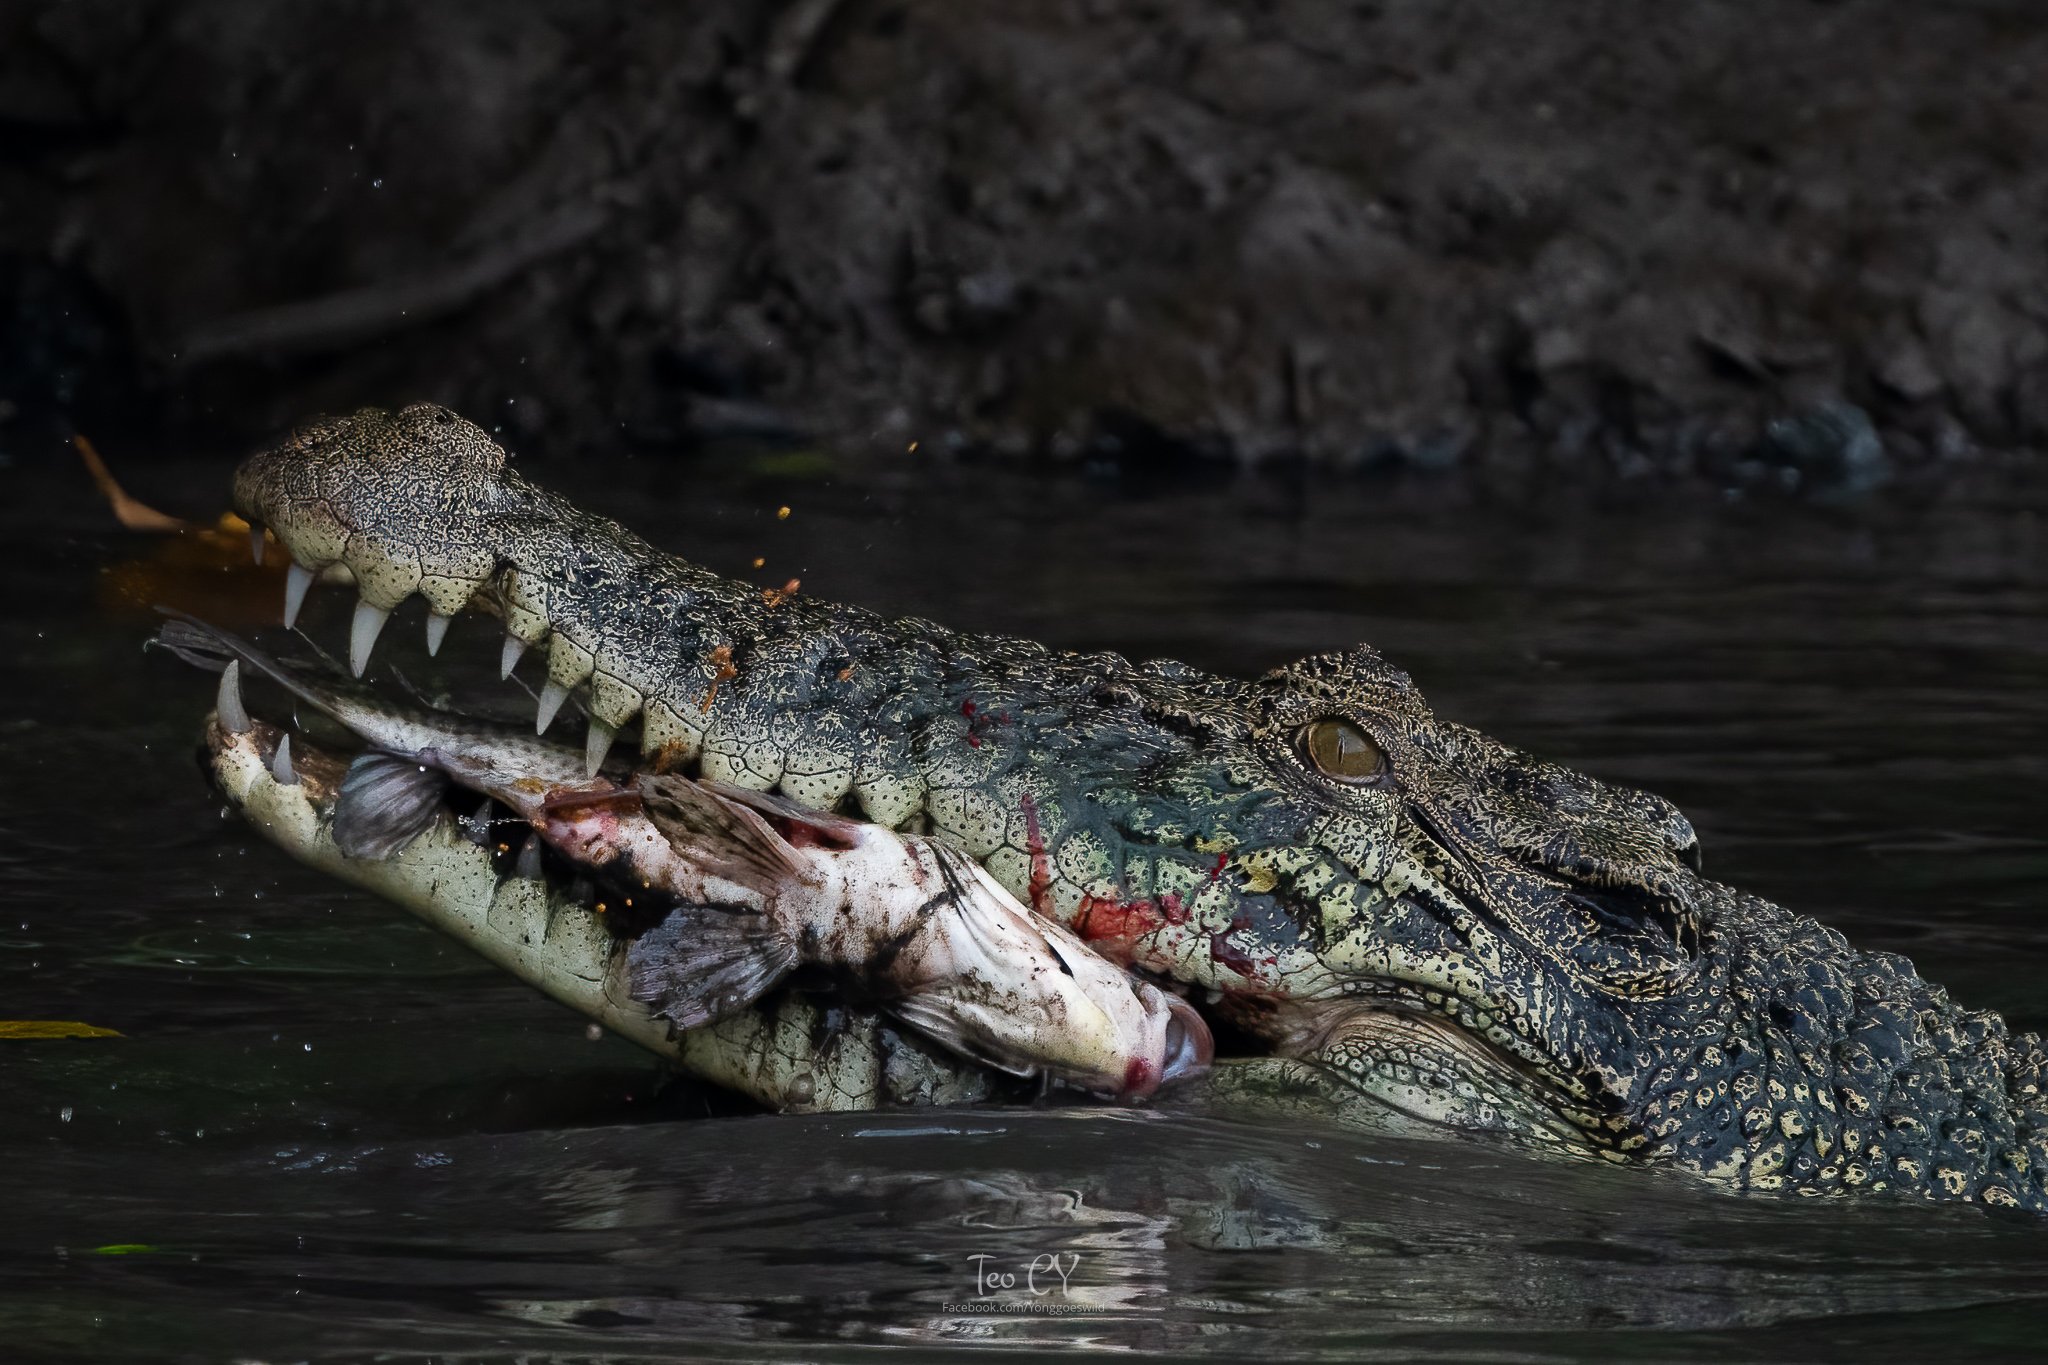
column 209, row 647
column 705, row 961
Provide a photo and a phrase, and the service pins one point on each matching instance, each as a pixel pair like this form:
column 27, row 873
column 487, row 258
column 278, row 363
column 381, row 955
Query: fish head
column 996, row 982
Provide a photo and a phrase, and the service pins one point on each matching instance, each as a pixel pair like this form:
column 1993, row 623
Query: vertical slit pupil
column 1341, row 750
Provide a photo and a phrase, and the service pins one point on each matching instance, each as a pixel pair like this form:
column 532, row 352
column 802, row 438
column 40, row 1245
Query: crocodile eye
column 1339, row 749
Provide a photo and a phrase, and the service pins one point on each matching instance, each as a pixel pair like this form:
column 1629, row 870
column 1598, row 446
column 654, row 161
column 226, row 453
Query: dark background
column 1791, row 243
column 1663, row 385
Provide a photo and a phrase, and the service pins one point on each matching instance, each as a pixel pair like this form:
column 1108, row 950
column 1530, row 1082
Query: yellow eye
column 1339, row 749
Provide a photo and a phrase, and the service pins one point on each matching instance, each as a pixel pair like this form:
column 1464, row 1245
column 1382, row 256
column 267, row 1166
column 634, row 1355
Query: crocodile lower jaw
column 1415, row 1061
column 534, row 924
column 528, row 923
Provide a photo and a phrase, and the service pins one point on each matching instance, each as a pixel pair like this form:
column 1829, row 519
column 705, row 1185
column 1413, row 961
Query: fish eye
column 1338, row 749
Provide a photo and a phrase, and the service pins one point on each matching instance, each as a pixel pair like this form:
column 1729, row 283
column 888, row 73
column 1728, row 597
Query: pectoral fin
column 385, row 802
column 721, row 836
column 704, row 962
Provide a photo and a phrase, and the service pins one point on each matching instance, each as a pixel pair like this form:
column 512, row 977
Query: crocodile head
column 1461, row 930
column 1417, row 913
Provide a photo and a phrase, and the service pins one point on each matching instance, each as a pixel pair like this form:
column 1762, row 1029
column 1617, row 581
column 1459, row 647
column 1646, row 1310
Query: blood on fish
column 806, row 834
column 1139, row 1077
column 617, row 798
column 967, row 708
column 1222, row 860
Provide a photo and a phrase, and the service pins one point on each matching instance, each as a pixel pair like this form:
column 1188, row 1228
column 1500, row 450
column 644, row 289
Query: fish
column 962, row 960
column 762, row 890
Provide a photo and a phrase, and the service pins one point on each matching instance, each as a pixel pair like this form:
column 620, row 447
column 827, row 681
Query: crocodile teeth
column 437, row 631
column 362, row 635
column 297, row 579
column 552, row 695
column 227, row 705
column 596, row 745
column 508, row 658
column 256, row 543
column 528, row 865
column 281, row 763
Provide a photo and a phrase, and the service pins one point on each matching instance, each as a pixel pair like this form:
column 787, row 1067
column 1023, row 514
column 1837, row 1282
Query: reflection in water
column 329, row 1134
column 1168, row 1232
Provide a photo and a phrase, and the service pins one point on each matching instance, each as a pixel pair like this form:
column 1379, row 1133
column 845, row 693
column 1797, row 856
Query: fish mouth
column 1190, row 1047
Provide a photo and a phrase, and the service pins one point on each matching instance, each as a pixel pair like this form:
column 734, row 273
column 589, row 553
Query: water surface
column 329, row 1134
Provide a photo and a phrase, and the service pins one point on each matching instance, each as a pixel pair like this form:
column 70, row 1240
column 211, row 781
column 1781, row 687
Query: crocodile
column 1393, row 912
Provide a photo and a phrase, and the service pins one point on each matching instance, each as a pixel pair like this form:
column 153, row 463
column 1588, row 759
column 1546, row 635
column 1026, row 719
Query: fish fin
column 705, row 961
column 933, row 1018
column 723, row 837
column 195, row 644
column 386, row 802
column 997, row 922
column 799, row 824
column 990, row 926
column 209, row 647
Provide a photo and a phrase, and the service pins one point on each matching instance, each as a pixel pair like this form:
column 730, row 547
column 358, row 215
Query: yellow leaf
column 52, row 1028
column 136, row 516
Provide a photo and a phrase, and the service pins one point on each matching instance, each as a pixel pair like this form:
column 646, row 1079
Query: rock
column 1833, row 446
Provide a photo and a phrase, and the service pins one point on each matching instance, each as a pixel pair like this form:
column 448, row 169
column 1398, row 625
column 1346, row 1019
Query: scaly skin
column 1469, row 935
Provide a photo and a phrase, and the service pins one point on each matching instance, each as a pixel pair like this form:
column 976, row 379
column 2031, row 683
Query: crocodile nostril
column 1189, row 1045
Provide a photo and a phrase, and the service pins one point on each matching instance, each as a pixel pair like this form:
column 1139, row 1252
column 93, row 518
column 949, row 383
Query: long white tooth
column 227, row 705
column 256, row 543
column 528, row 865
column 596, row 745
column 552, row 695
column 437, row 631
column 508, row 658
column 281, row 763
column 297, row 579
column 362, row 635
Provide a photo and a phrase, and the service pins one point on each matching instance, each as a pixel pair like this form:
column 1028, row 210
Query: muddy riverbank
column 1788, row 244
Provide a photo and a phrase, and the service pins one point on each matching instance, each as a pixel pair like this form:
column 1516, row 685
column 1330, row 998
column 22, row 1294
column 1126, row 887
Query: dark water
column 327, row 1134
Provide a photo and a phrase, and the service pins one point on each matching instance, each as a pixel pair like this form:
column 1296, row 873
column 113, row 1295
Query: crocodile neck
column 1832, row 1069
